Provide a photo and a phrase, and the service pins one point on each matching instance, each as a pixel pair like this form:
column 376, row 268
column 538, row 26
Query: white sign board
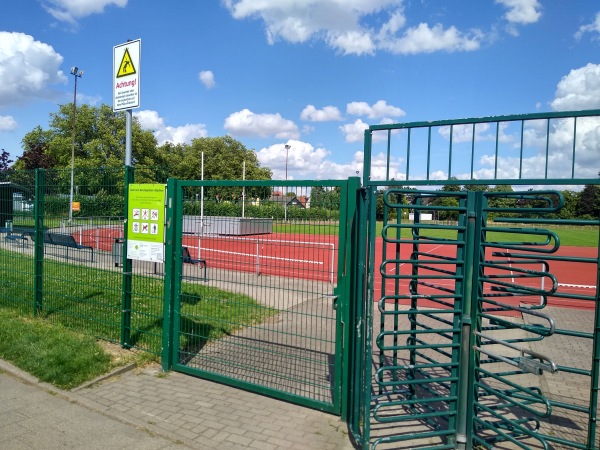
column 126, row 75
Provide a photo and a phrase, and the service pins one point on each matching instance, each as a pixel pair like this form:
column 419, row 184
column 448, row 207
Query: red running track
column 314, row 257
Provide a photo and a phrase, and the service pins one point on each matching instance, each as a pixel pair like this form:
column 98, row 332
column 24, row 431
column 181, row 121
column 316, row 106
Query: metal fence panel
column 465, row 270
column 258, row 284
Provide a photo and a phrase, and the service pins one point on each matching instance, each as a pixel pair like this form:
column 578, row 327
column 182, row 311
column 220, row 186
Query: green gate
column 478, row 322
column 258, row 286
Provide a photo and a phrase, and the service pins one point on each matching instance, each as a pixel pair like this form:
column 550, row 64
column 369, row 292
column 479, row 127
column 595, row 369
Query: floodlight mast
column 287, row 150
column 76, row 74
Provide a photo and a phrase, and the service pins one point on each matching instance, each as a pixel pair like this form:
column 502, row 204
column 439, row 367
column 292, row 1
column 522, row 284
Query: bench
column 14, row 237
column 31, row 235
column 187, row 259
column 67, row 241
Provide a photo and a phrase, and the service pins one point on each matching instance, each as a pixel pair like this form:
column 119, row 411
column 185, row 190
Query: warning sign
column 126, row 67
column 126, row 75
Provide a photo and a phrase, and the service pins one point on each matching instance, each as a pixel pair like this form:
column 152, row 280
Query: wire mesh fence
column 62, row 260
column 257, row 308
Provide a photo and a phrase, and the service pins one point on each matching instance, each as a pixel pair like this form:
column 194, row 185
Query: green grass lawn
column 88, row 300
column 51, row 353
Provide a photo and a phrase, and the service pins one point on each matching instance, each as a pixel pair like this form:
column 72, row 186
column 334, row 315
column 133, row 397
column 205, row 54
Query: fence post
column 464, row 421
column 170, row 277
column 38, row 249
column 127, row 268
column 346, row 274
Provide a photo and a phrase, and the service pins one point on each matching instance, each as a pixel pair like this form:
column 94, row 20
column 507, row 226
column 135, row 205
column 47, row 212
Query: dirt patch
column 120, row 356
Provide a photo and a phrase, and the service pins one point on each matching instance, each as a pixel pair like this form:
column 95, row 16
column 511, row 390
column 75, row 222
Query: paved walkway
column 32, row 417
column 147, row 409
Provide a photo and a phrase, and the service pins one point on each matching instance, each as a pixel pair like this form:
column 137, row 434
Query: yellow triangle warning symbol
column 126, row 67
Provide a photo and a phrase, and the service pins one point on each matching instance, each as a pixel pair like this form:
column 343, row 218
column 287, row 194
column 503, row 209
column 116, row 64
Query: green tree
column 321, row 197
column 476, row 187
column 224, row 159
column 99, row 139
column 4, row 160
column 446, row 202
column 588, row 204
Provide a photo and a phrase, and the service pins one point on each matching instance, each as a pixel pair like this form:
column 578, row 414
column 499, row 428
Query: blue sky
column 308, row 73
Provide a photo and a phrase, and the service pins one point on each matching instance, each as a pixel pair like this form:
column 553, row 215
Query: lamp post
column 76, row 74
column 287, row 149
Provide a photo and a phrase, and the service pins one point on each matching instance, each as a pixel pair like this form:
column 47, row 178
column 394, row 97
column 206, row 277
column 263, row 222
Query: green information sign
column 145, row 222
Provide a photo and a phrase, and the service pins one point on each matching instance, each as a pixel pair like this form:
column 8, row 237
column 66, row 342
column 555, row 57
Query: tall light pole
column 76, row 74
column 287, row 149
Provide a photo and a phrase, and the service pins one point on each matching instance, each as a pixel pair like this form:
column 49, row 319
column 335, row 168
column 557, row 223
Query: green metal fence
column 479, row 323
column 449, row 302
column 66, row 266
column 260, row 285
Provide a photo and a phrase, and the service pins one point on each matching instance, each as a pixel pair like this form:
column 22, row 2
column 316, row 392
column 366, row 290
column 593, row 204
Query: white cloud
column 7, row 123
column 377, row 110
column 352, row 42
column 312, row 114
column 27, row 68
column 580, row 89
column 245, row 123
column 522, row 12
column 207, row 78
column 593, row 27
column 150, row 120
column 304, row 161
column 426, row 39
column 71, row 10
column 355, row 132
column 347, row 26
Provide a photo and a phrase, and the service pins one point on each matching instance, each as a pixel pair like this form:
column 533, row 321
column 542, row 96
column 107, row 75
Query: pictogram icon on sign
column 126, row 67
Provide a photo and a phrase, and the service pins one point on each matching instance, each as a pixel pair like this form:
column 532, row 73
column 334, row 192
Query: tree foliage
column 99, row 140
column 588, row 204
column 4, row 160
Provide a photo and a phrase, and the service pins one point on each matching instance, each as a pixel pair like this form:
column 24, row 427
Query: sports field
column 568, row 276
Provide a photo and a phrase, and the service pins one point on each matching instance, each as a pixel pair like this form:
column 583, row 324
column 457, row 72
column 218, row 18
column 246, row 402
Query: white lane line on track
column 583, row 286
column 253, row 255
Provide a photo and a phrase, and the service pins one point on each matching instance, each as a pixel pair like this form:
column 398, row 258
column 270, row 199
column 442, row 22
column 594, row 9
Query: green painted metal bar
column 489, row 119
column 127, row 264
column 38, row 250
column 343, row 351
column 365, row 321
column 358, row 410
column 463, row 426
column 595, row 375
column 169, row 339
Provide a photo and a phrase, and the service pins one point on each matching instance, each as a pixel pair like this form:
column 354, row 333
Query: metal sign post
column 126, row 85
